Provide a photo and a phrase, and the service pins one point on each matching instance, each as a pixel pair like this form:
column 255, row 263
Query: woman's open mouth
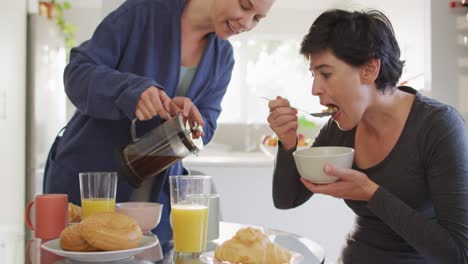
column 333, row 109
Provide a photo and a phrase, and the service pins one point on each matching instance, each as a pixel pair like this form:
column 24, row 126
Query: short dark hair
column 356, row 37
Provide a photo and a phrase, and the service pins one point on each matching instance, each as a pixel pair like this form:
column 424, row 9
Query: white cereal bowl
column 146, row 214
column 310, row 162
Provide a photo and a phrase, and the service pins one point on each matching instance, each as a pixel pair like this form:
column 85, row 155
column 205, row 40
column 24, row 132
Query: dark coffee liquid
column 138, row 167
column 143, row 167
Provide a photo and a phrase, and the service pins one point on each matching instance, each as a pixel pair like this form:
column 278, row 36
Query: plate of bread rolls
column 251, row 246
column 101, row 237
column 269, row 144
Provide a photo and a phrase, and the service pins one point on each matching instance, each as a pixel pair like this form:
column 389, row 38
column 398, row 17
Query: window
column 268, row 62
column 266, row 67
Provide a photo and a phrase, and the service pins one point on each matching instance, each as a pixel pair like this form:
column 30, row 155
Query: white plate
column 269, row 150
column 209, row 258
column 100, row 256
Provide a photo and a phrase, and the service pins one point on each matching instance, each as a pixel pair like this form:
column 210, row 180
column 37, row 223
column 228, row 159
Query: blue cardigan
column 135, row 47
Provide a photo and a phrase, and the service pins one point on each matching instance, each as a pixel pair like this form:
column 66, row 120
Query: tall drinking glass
column 190, row 196
column 97, row 192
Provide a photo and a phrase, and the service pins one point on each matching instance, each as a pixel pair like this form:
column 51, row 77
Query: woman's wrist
column 288, row 144
column 371, row 189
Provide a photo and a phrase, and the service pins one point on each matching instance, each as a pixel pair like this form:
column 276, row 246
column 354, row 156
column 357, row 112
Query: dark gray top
column 419, row 214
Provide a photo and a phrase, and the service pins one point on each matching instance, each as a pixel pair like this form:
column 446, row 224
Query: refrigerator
column 46, row 101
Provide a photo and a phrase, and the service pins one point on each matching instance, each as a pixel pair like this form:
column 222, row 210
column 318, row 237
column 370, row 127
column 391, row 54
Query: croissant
column 251, row 246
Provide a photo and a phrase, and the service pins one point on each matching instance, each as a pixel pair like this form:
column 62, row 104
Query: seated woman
column 409, row 182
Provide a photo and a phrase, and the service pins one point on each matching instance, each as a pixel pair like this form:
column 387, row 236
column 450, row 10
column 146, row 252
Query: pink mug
column 51, row 215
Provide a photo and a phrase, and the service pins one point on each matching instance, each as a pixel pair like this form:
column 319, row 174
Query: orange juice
column 97, row 205
column 189, row 223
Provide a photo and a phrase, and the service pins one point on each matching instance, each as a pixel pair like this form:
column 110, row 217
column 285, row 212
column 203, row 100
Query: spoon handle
column 298, row 109
column 321, row 114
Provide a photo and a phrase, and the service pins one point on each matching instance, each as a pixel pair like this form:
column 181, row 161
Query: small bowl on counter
column 146, row 214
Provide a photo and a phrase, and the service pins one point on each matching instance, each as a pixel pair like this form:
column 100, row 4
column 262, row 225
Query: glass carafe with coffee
column 159, row 148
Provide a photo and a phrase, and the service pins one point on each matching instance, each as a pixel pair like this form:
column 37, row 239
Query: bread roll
column 111, row 231
column 71, row 240
column 74, row 213
column 276, row 254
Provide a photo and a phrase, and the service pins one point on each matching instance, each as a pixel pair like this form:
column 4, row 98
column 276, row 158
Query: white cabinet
column 12, row 130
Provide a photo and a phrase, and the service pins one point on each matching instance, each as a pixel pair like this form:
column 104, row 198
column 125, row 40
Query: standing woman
column 144, row 59
column 409, row 182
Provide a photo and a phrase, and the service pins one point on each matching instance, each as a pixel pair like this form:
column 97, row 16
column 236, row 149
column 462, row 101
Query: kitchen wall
column 448, row 54
column 12, row 129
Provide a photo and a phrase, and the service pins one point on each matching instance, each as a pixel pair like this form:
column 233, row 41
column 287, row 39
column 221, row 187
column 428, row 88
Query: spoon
column 326, row 112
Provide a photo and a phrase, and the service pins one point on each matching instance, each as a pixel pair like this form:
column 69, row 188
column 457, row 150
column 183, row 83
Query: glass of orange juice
column 190, row 196
column 97, row 192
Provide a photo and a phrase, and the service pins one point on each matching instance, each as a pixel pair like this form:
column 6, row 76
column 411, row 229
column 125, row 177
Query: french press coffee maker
column 158, row 149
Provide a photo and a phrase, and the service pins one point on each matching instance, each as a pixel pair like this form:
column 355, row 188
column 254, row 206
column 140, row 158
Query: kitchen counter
column 223, row 159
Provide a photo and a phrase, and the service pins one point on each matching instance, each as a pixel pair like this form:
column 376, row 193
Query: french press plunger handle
column 135, row 138
column 133, row 130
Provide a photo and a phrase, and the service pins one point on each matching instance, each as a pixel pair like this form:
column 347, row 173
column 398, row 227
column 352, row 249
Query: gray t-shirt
column 419, row 214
